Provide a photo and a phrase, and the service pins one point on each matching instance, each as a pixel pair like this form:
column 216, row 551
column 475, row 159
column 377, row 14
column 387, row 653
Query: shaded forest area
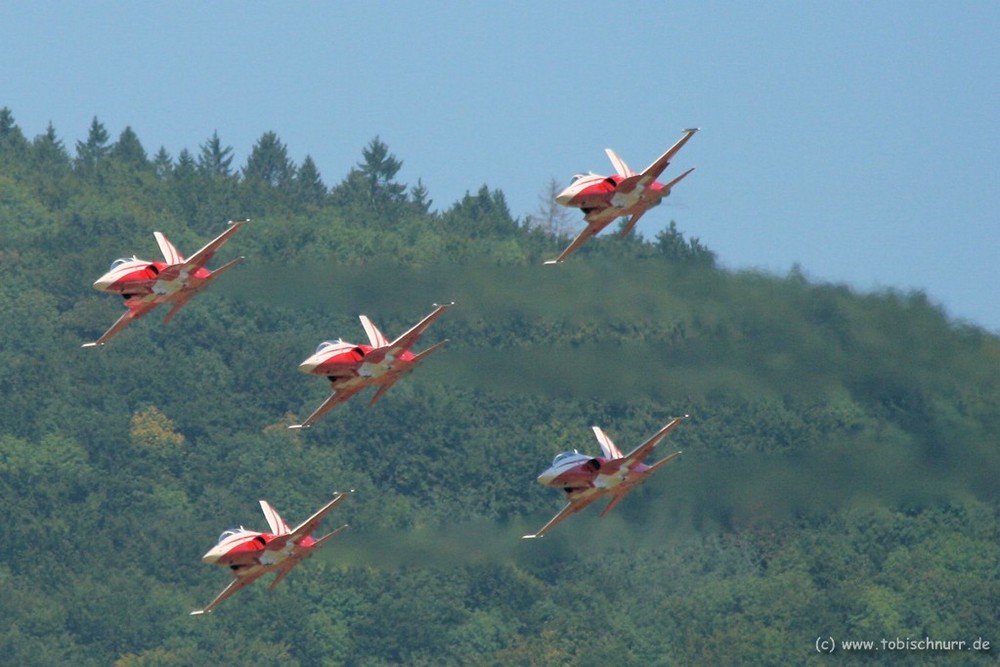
column 838, row 477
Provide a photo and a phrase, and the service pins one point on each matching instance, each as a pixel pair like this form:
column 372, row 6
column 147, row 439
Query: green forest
column 838, row 481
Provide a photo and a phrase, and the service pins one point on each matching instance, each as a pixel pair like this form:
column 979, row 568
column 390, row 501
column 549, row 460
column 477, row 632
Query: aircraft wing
column 653, row 171
column 588, row 231
column 307, row 527
column 200, row 258
column 336, row 398
column 638, row 454
column 234, row 586
column 133, row 313
column 408, row 339
column 571, row 508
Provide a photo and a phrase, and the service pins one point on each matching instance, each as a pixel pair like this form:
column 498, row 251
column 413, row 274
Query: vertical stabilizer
column 375, row 336
column 607, row 446
column 274, row 520
column 619, row 164
column 170, row 254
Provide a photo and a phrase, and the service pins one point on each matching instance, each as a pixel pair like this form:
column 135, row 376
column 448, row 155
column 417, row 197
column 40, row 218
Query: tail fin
column 170, row 254
column 274, row 520
column 375, row 336
column 607, row 446
column 619, row 164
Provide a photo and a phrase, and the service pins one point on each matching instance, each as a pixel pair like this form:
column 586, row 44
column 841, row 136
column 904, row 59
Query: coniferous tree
column 309, row 187
column 163, row 164
column 419, row 198
column 269, row 163
column 13, row 145
column 379, row 169
column 128, row 149
column 671, row 243
column 484, row 214
column 551, row 217
column 91, row 152
column 52, row 167
column 7, row 123
column 215, row 160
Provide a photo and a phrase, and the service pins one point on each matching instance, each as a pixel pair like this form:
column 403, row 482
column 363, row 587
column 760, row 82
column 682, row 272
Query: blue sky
column 860, row 140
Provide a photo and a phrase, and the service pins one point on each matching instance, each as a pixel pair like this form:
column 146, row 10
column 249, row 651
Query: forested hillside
column 839, row 475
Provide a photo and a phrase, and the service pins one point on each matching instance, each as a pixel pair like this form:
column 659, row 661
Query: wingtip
column 198, row 612
column 531, row 537
column 298, row 426
column 692, row 130
column 94, row 344
column 553, row 261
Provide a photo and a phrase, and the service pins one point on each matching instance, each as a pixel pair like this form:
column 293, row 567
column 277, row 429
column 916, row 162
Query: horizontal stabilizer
column 671, row 184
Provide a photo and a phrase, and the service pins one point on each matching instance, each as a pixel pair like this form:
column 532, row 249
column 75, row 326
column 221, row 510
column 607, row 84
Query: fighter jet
column 351, row 367
column 249, row 555
column 585, row 479
column 627, row 194
column 144, row 285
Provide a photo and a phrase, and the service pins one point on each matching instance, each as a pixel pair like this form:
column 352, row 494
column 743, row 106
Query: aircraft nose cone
column 309, row 365
column 103, row 283
column 547, row 477
column 564, row 197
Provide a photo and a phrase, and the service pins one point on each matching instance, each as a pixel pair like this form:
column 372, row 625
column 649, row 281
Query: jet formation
column 351, row 368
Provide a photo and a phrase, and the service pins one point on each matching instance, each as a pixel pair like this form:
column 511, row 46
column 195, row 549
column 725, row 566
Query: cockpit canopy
column 563, row 456
column 328, row 343
column 226, row 534
column 122, row 260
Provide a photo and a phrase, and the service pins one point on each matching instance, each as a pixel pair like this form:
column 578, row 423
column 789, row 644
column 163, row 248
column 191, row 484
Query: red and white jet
column 351, row 367
column 587, row 479
column 250, row 555
column 604, row 198
column 145, row 285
